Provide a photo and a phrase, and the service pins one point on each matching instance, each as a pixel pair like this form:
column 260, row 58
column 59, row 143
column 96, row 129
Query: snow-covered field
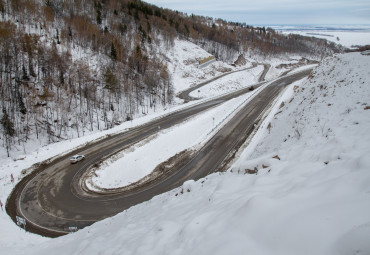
column 229, row 83
column 313, row 198
column 347, row 39
column 347, row 36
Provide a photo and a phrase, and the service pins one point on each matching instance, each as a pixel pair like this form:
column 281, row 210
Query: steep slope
column 310, row 194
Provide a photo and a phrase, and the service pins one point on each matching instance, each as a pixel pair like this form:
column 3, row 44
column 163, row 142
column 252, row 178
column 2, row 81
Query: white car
column 77, row 158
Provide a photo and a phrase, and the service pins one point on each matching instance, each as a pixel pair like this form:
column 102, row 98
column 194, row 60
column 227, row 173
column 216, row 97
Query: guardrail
column 207, row 61
column 255, row 92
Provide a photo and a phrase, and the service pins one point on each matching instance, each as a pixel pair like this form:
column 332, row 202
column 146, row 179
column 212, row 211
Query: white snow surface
column 183, row 63
column 345, row 38
column 318, row 194
column 346, row 35
column 229, row 83
column 314, row 200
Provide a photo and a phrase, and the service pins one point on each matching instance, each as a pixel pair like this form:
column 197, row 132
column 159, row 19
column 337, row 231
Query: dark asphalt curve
column 51, row 203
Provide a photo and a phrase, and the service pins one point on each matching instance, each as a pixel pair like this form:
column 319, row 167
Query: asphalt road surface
column 51, row 198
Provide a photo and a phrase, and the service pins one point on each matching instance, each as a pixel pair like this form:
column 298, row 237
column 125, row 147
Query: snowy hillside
column 311, row 194
column 315, row 199
column 182, row 64
column 73, row 68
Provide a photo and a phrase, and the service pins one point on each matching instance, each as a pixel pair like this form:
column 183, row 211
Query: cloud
column 277, row 12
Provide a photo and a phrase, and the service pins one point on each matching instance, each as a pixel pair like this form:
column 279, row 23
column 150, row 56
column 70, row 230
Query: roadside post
column 12, row 179
column 1, row 204
column 21, row 221
column 73, row 229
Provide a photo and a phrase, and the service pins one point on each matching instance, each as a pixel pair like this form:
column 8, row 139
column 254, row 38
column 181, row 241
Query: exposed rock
column 240, row 61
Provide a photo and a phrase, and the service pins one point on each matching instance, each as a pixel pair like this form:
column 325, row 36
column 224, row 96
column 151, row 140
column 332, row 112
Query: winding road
column 185, row 95
column 52, row 198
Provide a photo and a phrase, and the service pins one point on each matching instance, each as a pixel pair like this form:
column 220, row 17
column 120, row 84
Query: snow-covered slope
column 183, row 62
column 229, row 83
column 316, row 198
column 312, row 197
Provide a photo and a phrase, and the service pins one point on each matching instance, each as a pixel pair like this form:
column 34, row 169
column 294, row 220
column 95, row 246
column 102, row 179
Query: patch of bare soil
column 241, row 61
column 292, row 66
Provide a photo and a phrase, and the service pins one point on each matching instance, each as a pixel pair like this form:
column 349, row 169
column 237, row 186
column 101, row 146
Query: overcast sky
column 271, row 12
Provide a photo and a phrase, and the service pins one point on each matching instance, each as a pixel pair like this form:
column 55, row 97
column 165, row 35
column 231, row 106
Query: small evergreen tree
column 2, row 8
column 61, row 77
column 31, row 69
column 98, row 8
column 70, row 32
column 57, row 37
column 48, row 3
column 8, row 129
column 98, row 17
column 22, row 107
column 24, row 74
column 122, row 28
column 113, row 52
column 110, row 80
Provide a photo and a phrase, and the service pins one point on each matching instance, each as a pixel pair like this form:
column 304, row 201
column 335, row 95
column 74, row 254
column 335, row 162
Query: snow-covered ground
column 183, row 63
column 347, row 35
column 316, row 198
column 229, row 83
column 347, row 39
column 313, row 198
